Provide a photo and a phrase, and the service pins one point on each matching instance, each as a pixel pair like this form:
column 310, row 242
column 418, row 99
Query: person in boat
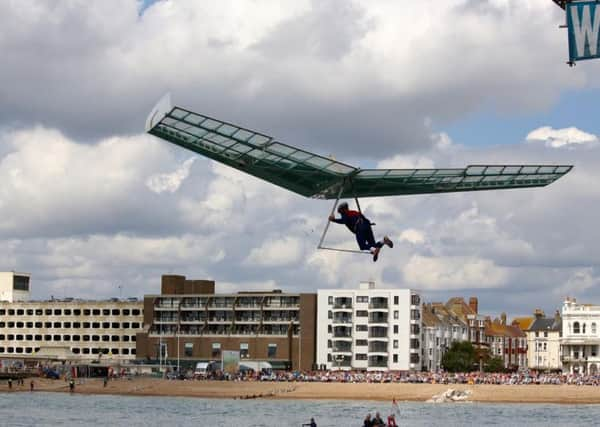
column 360, row 225
column 378, row 421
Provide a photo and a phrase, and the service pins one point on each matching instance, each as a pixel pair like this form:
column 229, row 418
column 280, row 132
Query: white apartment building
column 580, row 337
column 67, row 329
column 369, row 329
column 543, row 343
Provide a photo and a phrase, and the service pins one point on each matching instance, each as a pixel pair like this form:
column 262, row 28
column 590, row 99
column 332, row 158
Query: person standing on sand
column 31, row 386
column 10, row 383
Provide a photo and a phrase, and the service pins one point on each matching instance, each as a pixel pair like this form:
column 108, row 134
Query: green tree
column 461, row 357
column 494, row 364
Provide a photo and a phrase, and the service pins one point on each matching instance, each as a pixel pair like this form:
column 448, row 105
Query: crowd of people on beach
column 517, row 378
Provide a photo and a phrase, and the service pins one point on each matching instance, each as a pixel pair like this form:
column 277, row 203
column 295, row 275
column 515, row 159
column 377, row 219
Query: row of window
column 360, row 313
column 581, row 328
column 113, row 338
column 414, row 358
column 75, row 350
column 74, row 325
column 188, row 350
column 362, row 343
column 414, row 299
column 365, row 328
column 70, row 312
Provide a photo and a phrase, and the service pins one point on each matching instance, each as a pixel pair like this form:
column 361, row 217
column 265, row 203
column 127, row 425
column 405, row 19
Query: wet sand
column 566, row 394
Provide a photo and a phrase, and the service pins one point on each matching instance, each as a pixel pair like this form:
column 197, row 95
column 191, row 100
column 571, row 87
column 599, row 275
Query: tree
column 461, row 357
column 494, row 364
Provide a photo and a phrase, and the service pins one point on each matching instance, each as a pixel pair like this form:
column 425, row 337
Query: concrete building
column 543, row 342
column 188, row 322
column 440, row 328
column 14, row 286
column 369, row 329
column 580, row 337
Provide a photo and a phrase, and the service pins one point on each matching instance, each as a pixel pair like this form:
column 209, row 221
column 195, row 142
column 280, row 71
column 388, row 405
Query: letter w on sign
column 583, row 21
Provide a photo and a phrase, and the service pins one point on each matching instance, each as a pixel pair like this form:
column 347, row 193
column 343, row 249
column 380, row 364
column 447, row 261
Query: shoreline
column 402, row 392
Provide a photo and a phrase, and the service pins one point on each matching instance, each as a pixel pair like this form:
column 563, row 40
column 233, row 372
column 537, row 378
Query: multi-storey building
column 369, row 329
column 189, row 322
column 67, row 329
column 14, row 286
column 543, row 342
column 507, row 342
column 580, row 337
column 440, row 328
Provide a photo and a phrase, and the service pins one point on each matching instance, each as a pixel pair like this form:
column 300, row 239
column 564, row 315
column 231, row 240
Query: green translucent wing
column 320, row 177
column 252, row 152
column 392, row 182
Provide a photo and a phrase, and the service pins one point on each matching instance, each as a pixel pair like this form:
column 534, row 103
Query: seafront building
column 67, row 329
column 369, row 329
column 189, row 322
column 543, row 342
column 439, row 329
column 580, row 337
column 508, row 342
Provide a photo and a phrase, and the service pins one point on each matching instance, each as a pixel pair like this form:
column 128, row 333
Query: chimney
column 539, row 313
column 473, row 304
column 557, row 316
column 503, row 318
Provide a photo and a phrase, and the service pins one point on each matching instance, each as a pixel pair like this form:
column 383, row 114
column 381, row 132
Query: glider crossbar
column 320, row 246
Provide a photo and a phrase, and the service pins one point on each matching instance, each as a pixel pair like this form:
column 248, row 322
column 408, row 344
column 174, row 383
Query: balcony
column 342, row 332
column 378, row 318
column 378, row 347
column 378, row 332
column 342, row 347
column 342, row 304
column 378, row 304
column 378, row 362
column 344, row 320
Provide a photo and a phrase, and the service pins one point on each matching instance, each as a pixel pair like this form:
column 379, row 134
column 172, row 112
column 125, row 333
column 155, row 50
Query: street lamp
column 299, row 348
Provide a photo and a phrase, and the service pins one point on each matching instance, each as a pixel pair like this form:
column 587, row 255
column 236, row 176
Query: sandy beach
column 564, row 394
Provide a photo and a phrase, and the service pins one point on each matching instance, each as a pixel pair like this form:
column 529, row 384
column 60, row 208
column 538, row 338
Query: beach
column 563, row 394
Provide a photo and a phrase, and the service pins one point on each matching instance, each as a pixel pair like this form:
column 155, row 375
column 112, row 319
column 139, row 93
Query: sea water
column 61, row 409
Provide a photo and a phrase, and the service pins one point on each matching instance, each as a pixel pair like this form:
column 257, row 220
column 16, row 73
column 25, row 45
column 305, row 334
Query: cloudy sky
column 89, row 203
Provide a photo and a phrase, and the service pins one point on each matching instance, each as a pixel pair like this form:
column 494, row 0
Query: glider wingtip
column 161, row 109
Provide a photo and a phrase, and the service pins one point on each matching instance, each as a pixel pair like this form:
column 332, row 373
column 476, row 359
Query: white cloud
column 276, row 253
column 578, row 283
column 170, row 182
column 453, row 273
column 416, row 237
column 567, row 137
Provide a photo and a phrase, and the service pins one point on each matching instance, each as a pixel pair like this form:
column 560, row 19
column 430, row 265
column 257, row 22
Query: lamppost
column 299, row 348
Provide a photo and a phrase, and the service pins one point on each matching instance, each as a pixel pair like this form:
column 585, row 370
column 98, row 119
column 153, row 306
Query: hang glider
column 320, row 177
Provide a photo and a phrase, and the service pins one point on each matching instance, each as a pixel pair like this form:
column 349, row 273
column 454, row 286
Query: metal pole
column 332, row 212
column 178, row 333
column 299, row 348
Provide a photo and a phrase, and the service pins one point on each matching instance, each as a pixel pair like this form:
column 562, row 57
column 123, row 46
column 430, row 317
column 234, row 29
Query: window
column 328, row 343
column 114, row 338
column 330, row 314
column 76, row 325
column 414, row 343
column 38, row 324
column 29, row 337
column 362, row 313
column 105, row 325
column 329, row 330
column 115, row 325
column 30, row 312
column 395, row 343
column 415, row 300
column 96, row 312
column 67, row 337
column 576, row 327
column 56, row 338
column 415, row 315
column 87, row 312
column 20, row 312
column 105, row 337
column 125, row 325
column 244, row 354
column 57, row 312
column 126, row 338
column 86, row 325
column 396, row 314
column 360, row 356
column 414, row 358
column 125, row 351
column 86, row 337
column 29, row 324
column 395, row 329
column 11, row 312
column 76, row 338
column 594, row 328
column 395, row 358
column 86, row 351
column 330, row 300
column 135, row 312
column 116, row 312
column 396, row 300
column 583, row 331
column 126, row 312
column 414, row 329
column 75, row 350
column 57, row 324
column 66, row 324
column 96, row 325
column 188, row 349
column 362, row 342
column 362, row 299
column 39, row 311
column 67, row 312
column 362, row 328
column 271, row 350
column 106, row 312
column 77, row 312
column 11, row 324
column 135, row 325
column 216, row 350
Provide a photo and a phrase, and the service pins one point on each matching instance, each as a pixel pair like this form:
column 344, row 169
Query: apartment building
column 189, row 322
column 66, row 329
column 369, row 329
column 580, row 339
column 440, row 328
column 507, row 342
column 543, row 342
